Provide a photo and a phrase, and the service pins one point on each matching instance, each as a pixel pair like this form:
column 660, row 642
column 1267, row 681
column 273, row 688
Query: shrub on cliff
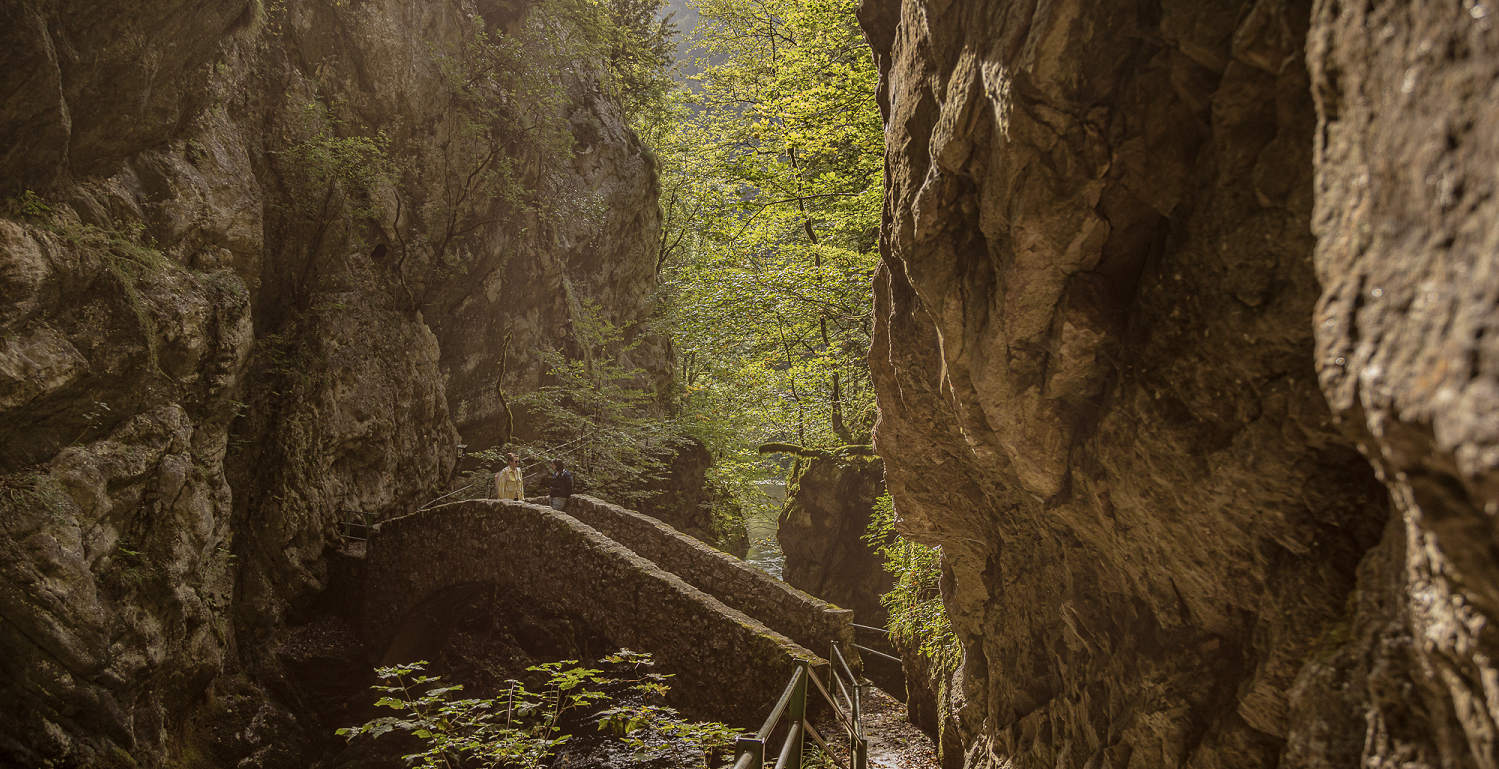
column 599, row 412
column 918, row 619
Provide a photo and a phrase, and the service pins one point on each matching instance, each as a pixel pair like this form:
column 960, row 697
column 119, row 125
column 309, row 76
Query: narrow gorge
column 1183, row 352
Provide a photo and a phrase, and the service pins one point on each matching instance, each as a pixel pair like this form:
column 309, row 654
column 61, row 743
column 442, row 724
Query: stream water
column 764, row 552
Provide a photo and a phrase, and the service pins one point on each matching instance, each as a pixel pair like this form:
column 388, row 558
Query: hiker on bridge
column 509, row 483
column 562, row 485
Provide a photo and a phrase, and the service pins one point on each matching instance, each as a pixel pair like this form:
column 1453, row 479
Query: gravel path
column 894, row 742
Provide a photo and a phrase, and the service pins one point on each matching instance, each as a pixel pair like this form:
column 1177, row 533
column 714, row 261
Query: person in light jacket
column 508, row 483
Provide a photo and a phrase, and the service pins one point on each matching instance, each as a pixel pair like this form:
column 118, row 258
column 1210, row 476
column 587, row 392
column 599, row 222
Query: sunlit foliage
column 771, row 176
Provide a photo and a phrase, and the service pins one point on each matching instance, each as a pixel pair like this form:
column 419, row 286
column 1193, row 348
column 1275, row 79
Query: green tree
column 600, row 413
column 641, row 44
column 771, row 188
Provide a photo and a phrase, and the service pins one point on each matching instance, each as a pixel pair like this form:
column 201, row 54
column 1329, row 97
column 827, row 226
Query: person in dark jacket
column 562, row 485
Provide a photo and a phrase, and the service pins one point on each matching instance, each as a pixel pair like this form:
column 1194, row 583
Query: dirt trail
column 894, row 742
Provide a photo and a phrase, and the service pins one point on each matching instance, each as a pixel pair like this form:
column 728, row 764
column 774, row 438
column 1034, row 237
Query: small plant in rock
column 32, row 491
column 918, row 617
column 92, row 418
column 521, row 728
column 124, row 249
column 130, row 569
column 33, row 207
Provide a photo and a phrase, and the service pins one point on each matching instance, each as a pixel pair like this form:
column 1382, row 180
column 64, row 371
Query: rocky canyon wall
column 1406, row 227
column 1132, row 251
column 259, row 264
column 829, row 503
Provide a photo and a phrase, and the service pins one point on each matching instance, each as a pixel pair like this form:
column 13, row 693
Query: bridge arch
column 728, row 666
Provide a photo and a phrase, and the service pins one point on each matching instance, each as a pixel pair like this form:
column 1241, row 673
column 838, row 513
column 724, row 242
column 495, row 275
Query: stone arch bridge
column 729, row 633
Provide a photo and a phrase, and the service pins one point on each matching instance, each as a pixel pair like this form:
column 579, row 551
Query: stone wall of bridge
column 810, row 621
column 727, row 665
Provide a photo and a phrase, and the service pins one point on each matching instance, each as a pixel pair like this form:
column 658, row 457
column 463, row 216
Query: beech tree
column 772, row 192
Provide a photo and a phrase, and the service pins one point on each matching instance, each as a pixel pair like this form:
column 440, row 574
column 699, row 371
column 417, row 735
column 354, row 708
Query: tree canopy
column 771, row 178
column 770, row 159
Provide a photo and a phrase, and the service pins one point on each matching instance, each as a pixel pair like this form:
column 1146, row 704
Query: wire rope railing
column 876, row 652
column 793, row 708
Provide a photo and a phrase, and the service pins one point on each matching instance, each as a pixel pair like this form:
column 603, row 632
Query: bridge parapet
column 728, row 666
column 805, row 619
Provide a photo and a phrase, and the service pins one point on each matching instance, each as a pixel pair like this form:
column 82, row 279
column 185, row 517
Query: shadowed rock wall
column 827, row 512
column 1095, row 363
column 243, row 289
column 1129, row 248
column 1407, row 227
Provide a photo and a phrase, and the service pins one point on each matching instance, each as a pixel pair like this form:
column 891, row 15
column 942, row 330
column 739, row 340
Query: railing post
column 858, row 703
column 798, row 712
column 752, row 748
column 858, row 747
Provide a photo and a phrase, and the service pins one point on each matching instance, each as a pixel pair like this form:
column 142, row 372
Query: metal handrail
column 811, row 731
column 856, row 705
column 843, row 690
column 868, row 650
column 843, row 718
column 449, row 494
column 782, row 704
column 750, row 751
column 793, row 745
column 348, row 525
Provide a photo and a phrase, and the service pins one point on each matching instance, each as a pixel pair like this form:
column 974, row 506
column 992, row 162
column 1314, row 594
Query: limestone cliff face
column 1095, row 361
column 689, row 502
column 1406, row 229
column 244, row 294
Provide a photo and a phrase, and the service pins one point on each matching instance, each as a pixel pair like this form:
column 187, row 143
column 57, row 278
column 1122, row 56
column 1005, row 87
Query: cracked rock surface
column 1095, row 362
column 210, row 353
